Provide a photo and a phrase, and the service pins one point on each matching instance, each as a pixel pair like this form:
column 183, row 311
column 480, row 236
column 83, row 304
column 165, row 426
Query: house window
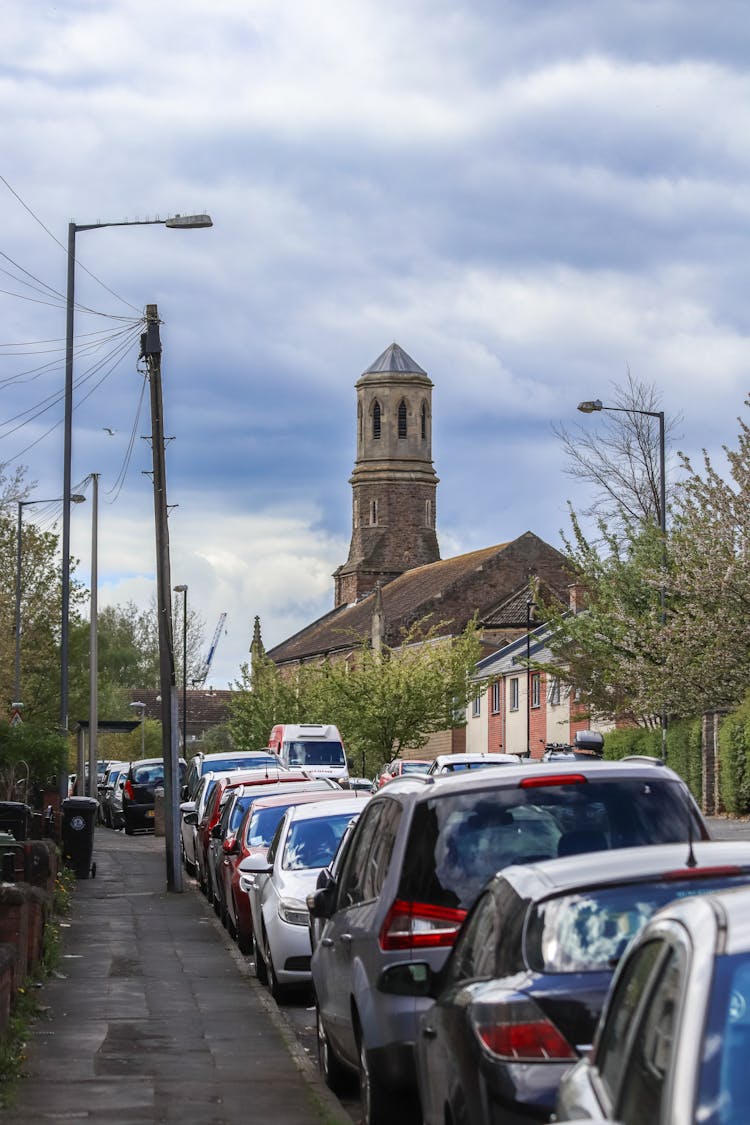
column 376, row 420
column 402, row 419
column 536, row 689
column 373, row 513
column 495, row 697
column 476, row 706
column 424, row 421
column 514, row 694
column 554, row 693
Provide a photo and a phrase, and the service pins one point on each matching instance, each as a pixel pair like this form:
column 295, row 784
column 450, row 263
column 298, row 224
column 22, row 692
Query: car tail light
column 128, row 790
column 420, row 925
column 717, row 871
column 517, row 1030
column 552, row 779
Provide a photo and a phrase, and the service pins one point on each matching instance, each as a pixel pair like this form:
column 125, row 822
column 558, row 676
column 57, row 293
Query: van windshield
column 302, row 753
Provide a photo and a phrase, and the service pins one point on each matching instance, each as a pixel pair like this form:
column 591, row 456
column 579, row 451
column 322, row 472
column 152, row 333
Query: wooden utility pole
column 151, row 351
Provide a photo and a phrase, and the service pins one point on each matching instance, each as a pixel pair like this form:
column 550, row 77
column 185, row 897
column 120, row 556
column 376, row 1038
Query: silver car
column 673, row 1044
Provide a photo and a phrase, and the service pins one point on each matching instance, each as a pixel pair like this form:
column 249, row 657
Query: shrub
column 734, row 760
column 684, row 753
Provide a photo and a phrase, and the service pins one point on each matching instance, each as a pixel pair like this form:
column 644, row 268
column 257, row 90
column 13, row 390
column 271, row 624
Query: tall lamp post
column 530, row 607
column 179, row 222
column 183, row 590
column 75, row 499
column 593, row 406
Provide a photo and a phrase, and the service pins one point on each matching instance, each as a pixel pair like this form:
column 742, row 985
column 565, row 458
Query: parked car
column 519, row 998
column 201, row 764
column 111, row 800
column 142, row 778
column 103, row 779
column 420, row 855
column 457, row 763
column 360, row 785
column 304, row 842
column 212, row 809
column 267, row 806
column 672, row 1045
column 398, row 768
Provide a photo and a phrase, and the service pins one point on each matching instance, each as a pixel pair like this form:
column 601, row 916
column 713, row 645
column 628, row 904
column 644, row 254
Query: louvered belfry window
column 376, row 420
column 402, row 419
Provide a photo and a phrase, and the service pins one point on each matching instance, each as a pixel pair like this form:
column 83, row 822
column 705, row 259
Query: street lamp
column 75, row 499
column 593, row 406
column 183, row 590
column 530, row 607
column 179, row 222
column 142, row 707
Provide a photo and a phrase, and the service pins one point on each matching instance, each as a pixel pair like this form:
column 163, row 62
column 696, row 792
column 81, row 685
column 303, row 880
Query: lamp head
column 180, row 589
column 189, row 222
column 76, row 498
column 591, row 406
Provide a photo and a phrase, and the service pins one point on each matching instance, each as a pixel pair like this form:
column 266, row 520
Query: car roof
column 233, row 754
column 492, row 757
column 432, row 785
column 623, row 865
column 303, row 797
column 313, row 810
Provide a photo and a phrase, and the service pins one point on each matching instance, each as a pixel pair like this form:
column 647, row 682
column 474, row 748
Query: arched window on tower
column 424, row 421
column 376, row 419
column 402, row 419
column 373, row 513
column 359, row 424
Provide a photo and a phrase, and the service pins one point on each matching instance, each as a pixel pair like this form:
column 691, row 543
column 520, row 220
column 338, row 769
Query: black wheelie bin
column 78, row 819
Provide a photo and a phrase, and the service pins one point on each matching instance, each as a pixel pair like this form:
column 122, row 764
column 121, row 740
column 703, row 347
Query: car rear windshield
column 263, row 823
column 458, row 841
column 589, row 931
column 459, row 767
column 415, row 767
column 221, row 765
column 303, row 753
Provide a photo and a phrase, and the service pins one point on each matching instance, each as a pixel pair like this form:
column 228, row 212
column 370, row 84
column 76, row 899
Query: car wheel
column 128, row 830
column 260, row 965
column 379, row 1106
column 335, row 1076
column 274, row 987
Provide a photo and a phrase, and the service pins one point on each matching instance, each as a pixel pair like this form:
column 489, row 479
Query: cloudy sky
column 530, row 197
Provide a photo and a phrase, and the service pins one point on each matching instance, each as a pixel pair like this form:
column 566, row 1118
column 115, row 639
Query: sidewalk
column 152, row 1018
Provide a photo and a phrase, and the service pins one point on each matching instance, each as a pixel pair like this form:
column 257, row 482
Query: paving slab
column 150, row 1018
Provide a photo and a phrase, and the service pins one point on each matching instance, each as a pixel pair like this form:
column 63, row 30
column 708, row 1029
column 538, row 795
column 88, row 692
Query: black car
column 138, row 800
column 519, row 998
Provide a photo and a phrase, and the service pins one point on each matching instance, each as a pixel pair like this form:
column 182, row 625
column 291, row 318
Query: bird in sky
column 110, row 432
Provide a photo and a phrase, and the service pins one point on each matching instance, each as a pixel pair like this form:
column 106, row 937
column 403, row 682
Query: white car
column 456, row 763
column 278, row 885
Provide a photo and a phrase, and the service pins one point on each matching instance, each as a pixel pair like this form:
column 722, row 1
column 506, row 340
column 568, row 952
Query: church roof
column 446, row 592
column 394, row 358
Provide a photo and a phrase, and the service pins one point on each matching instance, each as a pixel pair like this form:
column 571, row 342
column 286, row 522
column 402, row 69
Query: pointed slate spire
column 394, row 358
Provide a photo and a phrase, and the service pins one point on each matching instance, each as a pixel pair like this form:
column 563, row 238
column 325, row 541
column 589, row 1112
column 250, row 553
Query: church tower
column 394, row 483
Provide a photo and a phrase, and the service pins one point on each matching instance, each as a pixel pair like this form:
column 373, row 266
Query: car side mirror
column 321, row 903
column 190, row 817
column 255, row 865
column 406, row 978
column 216, row 832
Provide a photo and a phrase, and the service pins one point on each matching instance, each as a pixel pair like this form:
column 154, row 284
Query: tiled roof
column 449, row 591
column 206, row 708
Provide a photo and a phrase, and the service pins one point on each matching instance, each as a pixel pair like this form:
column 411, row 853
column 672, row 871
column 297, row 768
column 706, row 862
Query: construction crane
column 202, row 676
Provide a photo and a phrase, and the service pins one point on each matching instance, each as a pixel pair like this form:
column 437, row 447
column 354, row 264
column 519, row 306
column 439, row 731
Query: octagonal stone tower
column 394, row 483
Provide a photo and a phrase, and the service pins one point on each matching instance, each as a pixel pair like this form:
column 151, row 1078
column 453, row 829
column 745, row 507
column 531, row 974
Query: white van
column 316, row 748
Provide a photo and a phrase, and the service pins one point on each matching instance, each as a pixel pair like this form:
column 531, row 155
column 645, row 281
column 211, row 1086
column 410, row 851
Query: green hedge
column 734, row 760
column 683, row 749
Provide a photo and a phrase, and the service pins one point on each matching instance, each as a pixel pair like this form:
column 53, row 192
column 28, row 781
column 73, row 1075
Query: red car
column 400, row 766
column 256, row 832
column 212, row 811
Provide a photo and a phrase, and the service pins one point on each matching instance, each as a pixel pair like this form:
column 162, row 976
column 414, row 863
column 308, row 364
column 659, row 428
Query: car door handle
column 346, row 939
column 327, row 942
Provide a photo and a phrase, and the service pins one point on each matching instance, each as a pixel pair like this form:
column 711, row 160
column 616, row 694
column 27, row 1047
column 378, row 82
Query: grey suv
column 414, row 865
